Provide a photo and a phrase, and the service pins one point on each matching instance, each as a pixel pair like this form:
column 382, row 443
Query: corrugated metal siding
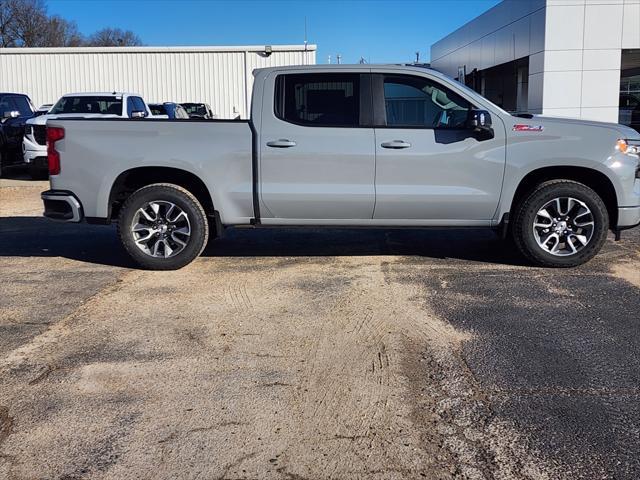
column 221, row 78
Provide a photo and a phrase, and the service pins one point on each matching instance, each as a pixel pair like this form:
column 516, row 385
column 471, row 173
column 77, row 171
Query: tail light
column 53, row 157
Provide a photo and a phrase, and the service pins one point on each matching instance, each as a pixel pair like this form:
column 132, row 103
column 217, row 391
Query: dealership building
column 570, row 58
column 219, row 76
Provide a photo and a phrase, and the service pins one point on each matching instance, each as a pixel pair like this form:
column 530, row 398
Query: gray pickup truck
column 377, row 146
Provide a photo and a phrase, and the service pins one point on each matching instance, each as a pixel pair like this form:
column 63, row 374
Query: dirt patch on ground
column 279, row 373
column 18, row 200
column 628, row 270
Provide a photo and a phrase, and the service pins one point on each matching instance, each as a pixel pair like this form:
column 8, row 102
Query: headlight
column 630, row 147
column 28, row 130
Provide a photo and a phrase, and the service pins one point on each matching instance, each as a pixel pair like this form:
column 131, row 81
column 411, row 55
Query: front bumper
column 62, row 205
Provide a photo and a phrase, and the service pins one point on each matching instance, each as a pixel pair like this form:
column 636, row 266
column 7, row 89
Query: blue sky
column 380, row 31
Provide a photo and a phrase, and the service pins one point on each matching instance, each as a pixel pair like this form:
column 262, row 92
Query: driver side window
column 421, row 103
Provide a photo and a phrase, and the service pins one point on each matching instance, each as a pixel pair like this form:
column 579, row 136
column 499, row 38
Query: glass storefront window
column 629, row 113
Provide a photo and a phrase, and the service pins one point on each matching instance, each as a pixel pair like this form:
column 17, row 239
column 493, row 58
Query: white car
column 85, row 105
column 44, row 108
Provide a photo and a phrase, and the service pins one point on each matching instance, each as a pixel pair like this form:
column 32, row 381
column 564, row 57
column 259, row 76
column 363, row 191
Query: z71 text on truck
column 383, row 146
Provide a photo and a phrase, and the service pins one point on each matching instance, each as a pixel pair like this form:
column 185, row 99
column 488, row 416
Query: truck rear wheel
column 38, row 172
column 163, row 227
column 561, row 223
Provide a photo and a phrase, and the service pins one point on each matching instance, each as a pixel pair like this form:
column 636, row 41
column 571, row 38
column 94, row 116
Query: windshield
column 86, row 104
column 195, row 108
column 158, row 109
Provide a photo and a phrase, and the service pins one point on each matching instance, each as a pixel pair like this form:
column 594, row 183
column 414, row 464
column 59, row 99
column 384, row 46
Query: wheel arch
column 593, row 179
column 131, row 180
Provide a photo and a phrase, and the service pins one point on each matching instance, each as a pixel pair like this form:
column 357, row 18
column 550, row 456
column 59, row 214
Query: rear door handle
column 396, row 144
column 282, row 143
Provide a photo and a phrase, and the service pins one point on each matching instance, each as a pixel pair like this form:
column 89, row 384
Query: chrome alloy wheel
column 161, row 229
column 563, row 226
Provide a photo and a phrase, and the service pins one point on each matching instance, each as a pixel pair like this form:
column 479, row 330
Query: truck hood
column 551, row 122
column 42, row 119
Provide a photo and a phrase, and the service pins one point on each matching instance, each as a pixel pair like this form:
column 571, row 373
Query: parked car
column 365, row 146
column 85, row 105
column 198, row 110
column 168, row 110
column 15, row 110
column 44, row 108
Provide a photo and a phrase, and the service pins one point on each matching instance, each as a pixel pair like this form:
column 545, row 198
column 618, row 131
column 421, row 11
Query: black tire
column 187, row 202
column 1, row 163
column 525, row 216
column 38, row 173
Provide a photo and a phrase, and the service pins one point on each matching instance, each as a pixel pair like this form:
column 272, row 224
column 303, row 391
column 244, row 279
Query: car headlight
column 28, row 130
column 629, row 147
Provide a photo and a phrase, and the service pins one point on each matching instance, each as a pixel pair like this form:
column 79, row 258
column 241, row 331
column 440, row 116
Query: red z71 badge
column 527, row 128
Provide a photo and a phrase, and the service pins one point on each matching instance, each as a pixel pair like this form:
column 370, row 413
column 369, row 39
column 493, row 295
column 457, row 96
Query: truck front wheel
column 561, row 223
column 163, row 227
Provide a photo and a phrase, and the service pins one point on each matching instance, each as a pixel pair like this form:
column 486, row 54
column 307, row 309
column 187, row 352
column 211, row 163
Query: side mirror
column 480, row 122
column 10, row 114
column 479, row 119
column 138, row 114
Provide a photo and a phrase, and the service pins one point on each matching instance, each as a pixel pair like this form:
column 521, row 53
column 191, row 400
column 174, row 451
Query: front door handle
column 282, row 143
column 396, row 144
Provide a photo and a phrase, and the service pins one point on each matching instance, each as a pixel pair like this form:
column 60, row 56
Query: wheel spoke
column 167, row 249
column 574, row 207
column 555, row 237
column 581, row 238
column 139, row 227
column 179, row 216
column 156, row 248
column 183, row 231
column 146, row 215
column 177, row 240
column 145, row 239
column 545, row 214
column 584, row 223
column 167, row 215
column 559, row 207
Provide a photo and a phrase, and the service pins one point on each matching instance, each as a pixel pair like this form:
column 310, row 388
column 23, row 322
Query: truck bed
column 95, row 152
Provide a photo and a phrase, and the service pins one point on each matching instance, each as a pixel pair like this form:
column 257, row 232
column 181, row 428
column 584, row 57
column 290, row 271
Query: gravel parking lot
column 312, row 354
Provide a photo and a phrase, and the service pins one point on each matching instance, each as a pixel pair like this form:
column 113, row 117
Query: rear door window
column 319, row 99
column 158, row 110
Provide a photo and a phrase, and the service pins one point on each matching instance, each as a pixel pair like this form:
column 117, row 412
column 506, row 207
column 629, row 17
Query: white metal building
column 219, row 76
column 573, row 58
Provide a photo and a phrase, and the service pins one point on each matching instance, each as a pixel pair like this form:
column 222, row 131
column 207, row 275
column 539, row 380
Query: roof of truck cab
column 353, row 67
column 101, row 94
